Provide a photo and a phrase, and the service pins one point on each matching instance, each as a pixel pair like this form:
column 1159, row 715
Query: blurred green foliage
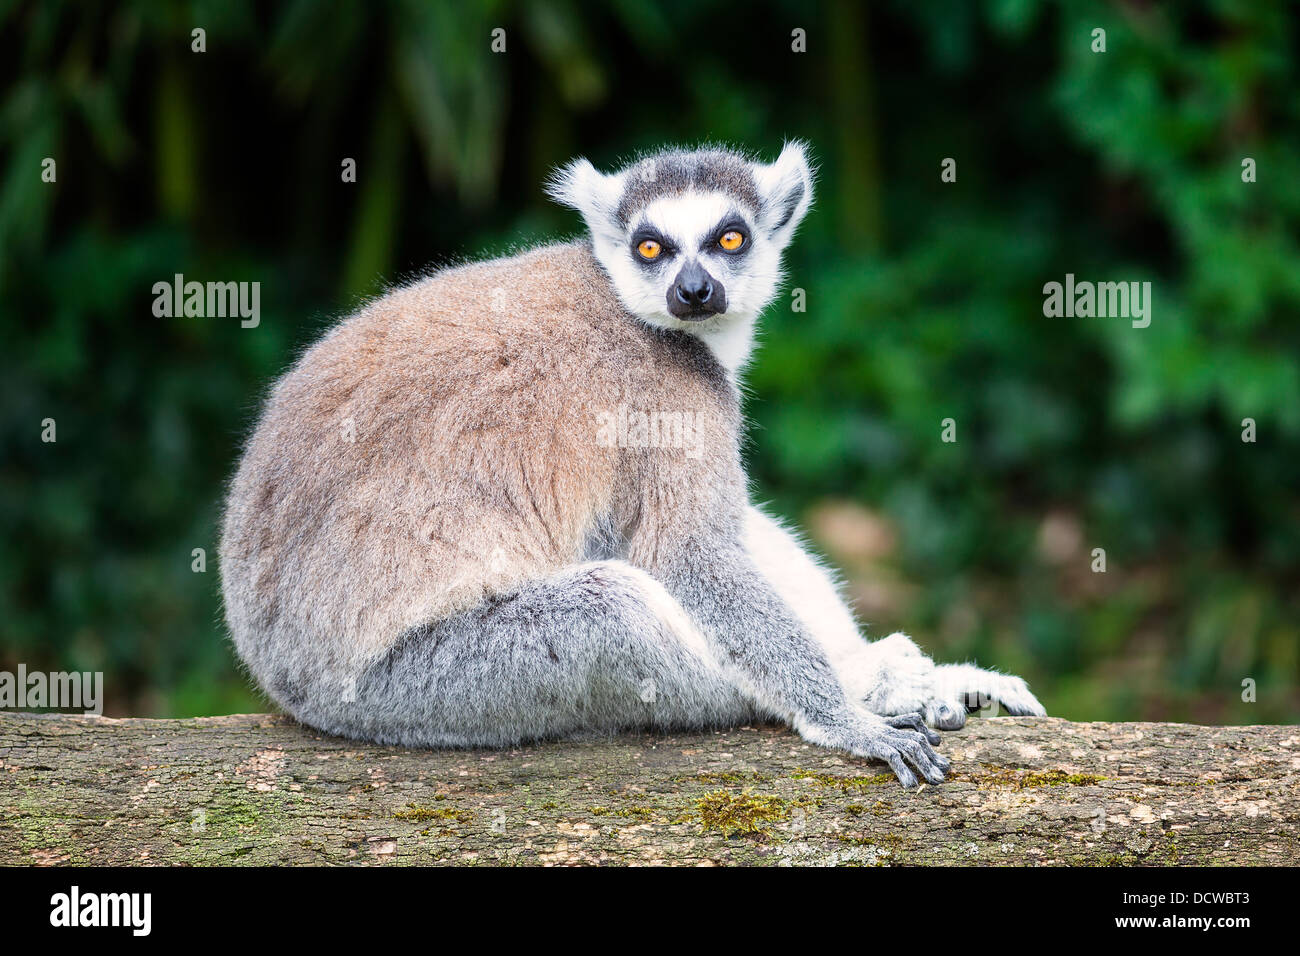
column 924, row 301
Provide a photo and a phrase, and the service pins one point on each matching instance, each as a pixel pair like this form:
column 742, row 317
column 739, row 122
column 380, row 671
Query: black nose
column 694, row 290
column 694, row 294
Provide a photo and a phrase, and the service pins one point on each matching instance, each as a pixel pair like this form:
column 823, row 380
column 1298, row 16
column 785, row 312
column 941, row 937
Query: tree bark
column 264, row 790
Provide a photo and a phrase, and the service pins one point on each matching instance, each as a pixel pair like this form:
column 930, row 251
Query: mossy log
column 264, row 790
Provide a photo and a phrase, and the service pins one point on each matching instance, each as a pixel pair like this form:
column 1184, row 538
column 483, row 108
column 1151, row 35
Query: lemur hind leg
column 595, row 648
column 890, row 676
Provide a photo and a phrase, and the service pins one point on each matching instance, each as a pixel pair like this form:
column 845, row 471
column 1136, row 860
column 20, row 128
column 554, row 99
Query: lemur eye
column 649, row 249
column 731, row 240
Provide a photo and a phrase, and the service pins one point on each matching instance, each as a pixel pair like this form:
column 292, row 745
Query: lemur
column 429, row 543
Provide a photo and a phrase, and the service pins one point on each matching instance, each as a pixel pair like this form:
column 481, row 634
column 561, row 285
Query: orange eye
column 731, row 240
column 649, row 249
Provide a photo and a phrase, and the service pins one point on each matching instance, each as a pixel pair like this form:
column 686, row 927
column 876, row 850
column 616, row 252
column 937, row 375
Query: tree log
column 263, row 790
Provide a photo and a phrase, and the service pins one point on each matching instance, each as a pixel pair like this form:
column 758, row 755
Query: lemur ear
column 786, row 187
column 579, row 185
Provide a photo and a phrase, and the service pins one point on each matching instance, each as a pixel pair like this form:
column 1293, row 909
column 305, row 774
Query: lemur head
column 693, row 239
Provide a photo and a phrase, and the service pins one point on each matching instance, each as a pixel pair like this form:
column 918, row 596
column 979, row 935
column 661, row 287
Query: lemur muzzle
column 695, row 294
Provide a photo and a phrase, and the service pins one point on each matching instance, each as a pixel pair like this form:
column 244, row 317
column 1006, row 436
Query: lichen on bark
column 263, row 790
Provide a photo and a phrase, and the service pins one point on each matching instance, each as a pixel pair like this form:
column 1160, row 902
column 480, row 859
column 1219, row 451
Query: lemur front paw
column 896, row 678
column 898, row 740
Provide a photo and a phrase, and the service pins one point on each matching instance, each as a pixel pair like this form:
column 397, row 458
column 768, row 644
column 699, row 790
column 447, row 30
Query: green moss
column 843, row 783
column 742, row 813
column 1166, row 855
column 729, row 776
column 413, row 812
column 641, row 813
column 878, row 809
column 235, row 810
column 237, row 816
column 1009, row 778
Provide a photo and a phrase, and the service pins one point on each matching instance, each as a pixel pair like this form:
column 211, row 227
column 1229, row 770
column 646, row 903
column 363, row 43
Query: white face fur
column 703, row 253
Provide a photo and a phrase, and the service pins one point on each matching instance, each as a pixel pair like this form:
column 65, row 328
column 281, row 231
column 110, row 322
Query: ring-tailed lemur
column 435, row 539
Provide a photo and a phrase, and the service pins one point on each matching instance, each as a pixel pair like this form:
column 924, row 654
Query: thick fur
column 430, row 540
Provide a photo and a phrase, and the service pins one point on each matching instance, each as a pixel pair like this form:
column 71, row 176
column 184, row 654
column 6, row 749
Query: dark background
column 924, row 301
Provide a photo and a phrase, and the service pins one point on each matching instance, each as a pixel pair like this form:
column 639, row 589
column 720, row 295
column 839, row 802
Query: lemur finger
column 925, row 762
column 919, row 752
column 901, row 771
column 940, row 762
column 914, row 722
column 891, row 747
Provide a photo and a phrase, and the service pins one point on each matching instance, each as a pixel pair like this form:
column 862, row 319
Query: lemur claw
column 915, row 722
column 900, row 741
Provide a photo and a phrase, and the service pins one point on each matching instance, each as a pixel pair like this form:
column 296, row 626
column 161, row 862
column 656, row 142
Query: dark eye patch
column 646, row 231
column 730, row 223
